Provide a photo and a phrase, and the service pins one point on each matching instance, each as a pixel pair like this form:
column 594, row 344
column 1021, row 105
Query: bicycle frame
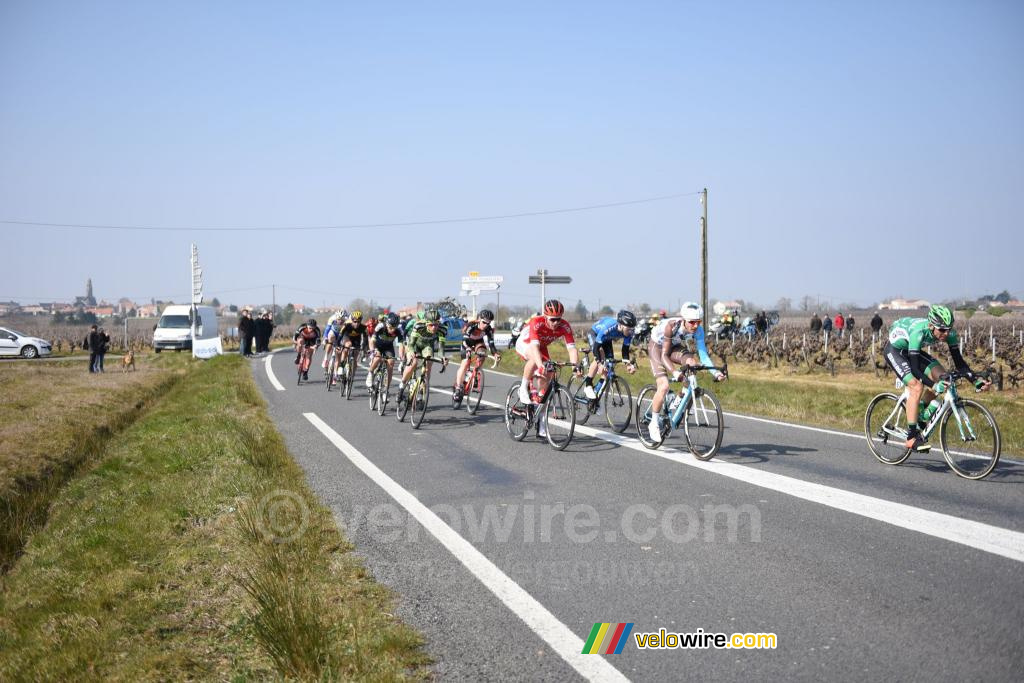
column 949, row 402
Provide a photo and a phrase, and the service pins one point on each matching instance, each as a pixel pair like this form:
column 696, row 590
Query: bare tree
column 784, row 305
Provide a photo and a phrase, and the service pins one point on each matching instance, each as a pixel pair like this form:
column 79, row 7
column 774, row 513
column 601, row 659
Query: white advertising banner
column 206, row 348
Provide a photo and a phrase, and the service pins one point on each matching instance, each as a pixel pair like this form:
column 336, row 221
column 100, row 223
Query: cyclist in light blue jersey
column 600, row 338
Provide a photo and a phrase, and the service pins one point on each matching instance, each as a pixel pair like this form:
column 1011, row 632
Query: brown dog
column 128, row 360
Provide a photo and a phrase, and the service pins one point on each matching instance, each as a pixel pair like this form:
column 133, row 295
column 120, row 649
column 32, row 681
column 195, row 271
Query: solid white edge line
column 991, row 539
column 547, row 627
column 270, row 371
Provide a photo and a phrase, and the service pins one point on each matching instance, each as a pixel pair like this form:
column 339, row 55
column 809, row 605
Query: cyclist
column 475, row 333
column 532, row 347
column 600, row 337
column 426, row 338
column 919, row 371
column 307, row 336
column 382, row 343
column 667, row 349
column 353, row 335
column 332, row 334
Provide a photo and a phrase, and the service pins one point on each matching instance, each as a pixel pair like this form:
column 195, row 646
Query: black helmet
column 486, row 315
column 392, row 319
column 311, row 322
column 627, row 318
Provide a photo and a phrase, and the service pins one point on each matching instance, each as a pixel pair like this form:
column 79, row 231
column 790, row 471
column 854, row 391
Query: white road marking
column 270, row 371
column 985, row 537
column 548, row 628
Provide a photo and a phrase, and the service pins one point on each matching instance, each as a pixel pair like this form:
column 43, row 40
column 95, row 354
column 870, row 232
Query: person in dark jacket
column 876, row 323
column 815, row 323
column 264, row 328
column 101, row 352
column 246, row 329
column 93, row 344
column 826, row 324
column 849, row 323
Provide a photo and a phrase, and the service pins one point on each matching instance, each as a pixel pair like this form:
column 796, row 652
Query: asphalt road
column 505, row 554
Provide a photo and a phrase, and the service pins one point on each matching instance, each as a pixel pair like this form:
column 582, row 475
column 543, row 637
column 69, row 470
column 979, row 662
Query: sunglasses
column 554, row 319
column 942, row 329
column 693, row 322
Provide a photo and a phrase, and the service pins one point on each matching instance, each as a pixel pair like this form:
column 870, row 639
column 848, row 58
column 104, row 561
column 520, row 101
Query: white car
column 13, row 343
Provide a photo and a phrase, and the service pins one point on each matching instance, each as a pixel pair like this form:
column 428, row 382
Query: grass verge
column 818, row 400
column 194, row 549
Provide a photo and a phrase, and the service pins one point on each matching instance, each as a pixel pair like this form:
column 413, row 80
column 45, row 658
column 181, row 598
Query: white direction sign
column 482, row 280
column 483, row 286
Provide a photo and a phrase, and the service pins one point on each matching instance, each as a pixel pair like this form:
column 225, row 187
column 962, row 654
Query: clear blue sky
column 839, row 143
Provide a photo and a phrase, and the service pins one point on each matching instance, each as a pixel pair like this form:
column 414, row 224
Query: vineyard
column 791, row 346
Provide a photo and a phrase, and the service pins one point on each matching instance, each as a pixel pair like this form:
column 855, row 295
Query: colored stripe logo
column 607, row 638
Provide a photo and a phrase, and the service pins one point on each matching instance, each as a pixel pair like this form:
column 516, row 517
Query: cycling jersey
column 422, row 338
column 382, row 336
column 601, row 335
column 473, row 336
column 333, row 332
column 905, row 355
column 673, row 329
column 354, row 332
column 309, row 336
column 538, row 332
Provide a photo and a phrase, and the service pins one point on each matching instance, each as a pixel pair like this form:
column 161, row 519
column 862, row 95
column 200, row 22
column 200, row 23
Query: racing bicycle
column 305, row 360
column 473, row 382
column 968, row 434
column 418, row 393
column 613, row 394
column 695, row 409
column 553, row 416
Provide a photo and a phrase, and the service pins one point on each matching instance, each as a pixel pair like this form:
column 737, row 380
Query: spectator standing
column 815, row 323
column 92, row 343
column 850, row 323
column 826, row 324
column 840, row 324
column 104, row 342
column 876, row 324
column 264, row 328
column 761, row 323
column 245, row 333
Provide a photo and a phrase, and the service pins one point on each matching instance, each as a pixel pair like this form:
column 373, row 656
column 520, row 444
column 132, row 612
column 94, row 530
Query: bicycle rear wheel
column 560, row 418
column 372, row 391
column 351, row 374
column 584, row 406
column 476, row 392
column 517, row 415
column 644, row 415
column 885, row 428
column 704, row 425
column 331, row 365
column 971, row 444
column 419, row 403
column 618, row 405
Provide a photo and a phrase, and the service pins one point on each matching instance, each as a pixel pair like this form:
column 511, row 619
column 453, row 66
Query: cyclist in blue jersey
column 667, row 349
column 600, row 338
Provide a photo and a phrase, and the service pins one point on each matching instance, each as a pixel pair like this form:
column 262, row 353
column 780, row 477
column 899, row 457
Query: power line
column 353, row 226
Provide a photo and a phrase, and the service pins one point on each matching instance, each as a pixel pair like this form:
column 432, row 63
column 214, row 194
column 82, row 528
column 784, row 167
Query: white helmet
column 691, row 311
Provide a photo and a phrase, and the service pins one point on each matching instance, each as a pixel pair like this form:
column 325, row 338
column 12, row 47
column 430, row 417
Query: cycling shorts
column 386, row 350
column 523, row 346
column 601, row 350
column 899, row 361
column 471, row 345
column 678, row 355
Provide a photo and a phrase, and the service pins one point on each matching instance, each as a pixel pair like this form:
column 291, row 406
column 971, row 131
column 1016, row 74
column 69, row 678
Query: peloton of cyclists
column 904, row 353
column 667, row 349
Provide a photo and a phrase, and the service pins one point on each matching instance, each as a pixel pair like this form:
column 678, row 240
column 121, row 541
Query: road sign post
column 543, row 279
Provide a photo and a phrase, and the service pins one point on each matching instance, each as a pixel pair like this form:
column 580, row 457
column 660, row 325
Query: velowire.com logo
column 607, row 638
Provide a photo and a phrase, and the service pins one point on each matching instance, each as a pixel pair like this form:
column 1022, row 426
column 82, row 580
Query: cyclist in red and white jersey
column 532, row 346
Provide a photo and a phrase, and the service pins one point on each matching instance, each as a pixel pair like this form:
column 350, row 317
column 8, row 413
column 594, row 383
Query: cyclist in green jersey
column 917, row 369
column 425, row 339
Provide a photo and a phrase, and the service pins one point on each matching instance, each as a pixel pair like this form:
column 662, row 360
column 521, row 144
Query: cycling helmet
column 940, row 316
column 392, row 319
column 357, row 316
column 626, row 318
column 691, row 311
column 431, row 316
column 311, row 322
column 553, row 308
column 486, row 315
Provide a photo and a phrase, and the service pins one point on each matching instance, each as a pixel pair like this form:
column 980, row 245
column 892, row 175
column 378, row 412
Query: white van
column 174, row 331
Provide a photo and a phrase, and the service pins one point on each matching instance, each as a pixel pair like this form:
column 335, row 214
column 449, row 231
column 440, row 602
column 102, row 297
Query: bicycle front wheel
column 704, row 425
column 583, row 404
column 476, row 392
column 517, row 414
column 381, row 384
column 330, row 373
column 351, row 375
column 404, row 401
column 970, row 440
column 618, row 405
column 560, row 418
column 419, row 404
column 885, row 428
column 373, row 390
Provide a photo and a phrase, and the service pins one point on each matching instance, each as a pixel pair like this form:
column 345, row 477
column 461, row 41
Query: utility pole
column 273, row 302
column 704, row 252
